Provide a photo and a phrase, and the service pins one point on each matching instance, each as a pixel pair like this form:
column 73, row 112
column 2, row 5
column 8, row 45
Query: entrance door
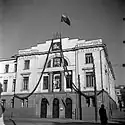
column 68, row 108
column 55, row 108
column 44, row 108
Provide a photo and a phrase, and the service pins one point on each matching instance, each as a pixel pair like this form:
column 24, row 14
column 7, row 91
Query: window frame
column 55, row 80
column 26, row 64
column 55, row 60
column 88, row 58
column 89, row 79
column 5, row 87
column 25, row 86
column 6, row 68
column 69, row 80
column 45, row 87
column 15, row 67
column 13, row 85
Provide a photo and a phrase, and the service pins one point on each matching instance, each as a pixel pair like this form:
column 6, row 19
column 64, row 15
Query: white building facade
column 54, row 95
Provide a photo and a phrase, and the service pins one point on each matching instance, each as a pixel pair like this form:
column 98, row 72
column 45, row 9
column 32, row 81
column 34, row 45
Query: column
column 50, row 83
column 62, row 81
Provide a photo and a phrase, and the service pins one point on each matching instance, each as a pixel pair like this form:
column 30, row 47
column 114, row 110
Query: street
column 52, row 122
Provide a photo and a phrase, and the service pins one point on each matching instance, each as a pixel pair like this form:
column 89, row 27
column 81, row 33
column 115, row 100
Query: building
column 120, row 90
column 54, row 97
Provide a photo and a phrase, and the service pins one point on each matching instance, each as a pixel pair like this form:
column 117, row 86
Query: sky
column 24, row 23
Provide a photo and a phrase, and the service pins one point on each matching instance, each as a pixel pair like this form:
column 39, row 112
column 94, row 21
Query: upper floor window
column 56, row 80
column 5, row 82
column 25, row 83
column 13, row 85
column 89, row 79
column 69, row 79
column 56, row 46
column 88, row 58
column 45, row 82
column 49, row 64
column 6, row 68
column 27, row 64
column 56, row 62
column 15, row 67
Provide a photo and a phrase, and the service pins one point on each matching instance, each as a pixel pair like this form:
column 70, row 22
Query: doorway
column 68, row 108
column 44, row 108
column 55, row 108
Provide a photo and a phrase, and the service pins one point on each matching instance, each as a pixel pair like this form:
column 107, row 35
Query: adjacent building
column 120, row 90
column 54, row 97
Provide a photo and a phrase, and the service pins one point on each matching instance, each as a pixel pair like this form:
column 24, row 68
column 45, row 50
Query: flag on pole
column 65, row 19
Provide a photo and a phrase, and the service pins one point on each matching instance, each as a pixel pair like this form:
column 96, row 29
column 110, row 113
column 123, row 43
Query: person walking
column 103, row 115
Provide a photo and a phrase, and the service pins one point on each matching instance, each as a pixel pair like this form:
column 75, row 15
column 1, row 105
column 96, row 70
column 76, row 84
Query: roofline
column 7, row 59
column 109, row 62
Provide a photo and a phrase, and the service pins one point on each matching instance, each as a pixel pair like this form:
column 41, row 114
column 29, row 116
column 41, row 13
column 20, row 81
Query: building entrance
column 68, row 108
column 55, row 108
column 44, row 108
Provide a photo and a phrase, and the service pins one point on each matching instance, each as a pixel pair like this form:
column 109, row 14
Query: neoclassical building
column 54, row 96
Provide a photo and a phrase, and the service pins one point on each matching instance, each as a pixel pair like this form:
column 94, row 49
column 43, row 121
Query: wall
column 7, row 76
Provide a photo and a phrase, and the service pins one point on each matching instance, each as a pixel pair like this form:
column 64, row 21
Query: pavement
column 118, row 118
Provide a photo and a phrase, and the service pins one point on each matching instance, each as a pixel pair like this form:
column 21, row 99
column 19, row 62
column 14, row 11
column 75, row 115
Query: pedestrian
column 120, row 106
column 103, row 115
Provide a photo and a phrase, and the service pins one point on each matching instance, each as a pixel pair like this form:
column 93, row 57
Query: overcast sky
column 25, row 22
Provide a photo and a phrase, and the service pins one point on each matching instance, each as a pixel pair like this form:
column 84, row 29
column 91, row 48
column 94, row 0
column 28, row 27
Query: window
column 56, row 80
column 5, row 85
column 15, row 67
column 69, row 80
column 26, row 64
column 13, row 85
column 57, row 62
column 56, row 46
column 89, row 79
column 25, row 83
column 49, row 64
column 45, row 82
column 6, row 68
column 88, row 58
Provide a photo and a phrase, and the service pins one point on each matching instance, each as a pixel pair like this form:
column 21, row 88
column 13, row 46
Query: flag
column 65, row 19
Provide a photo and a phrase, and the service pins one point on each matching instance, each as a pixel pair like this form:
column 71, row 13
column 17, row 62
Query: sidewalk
column 118, row 116
column 60, row 121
